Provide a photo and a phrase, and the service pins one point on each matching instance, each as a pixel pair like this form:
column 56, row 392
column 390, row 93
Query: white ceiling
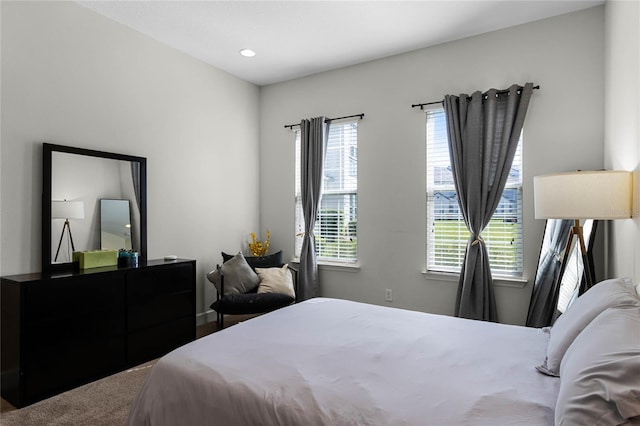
column 298, row 38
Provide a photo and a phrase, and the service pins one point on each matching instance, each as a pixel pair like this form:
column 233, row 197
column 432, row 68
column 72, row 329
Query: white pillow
column 606, row 294
column 276, row 280
column 600, row 372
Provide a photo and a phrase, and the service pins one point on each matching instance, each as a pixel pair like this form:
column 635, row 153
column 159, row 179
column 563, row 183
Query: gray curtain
column 546, row 288
column 135, row 177
column 313, row 144
column 136, row 235
column 483, row 132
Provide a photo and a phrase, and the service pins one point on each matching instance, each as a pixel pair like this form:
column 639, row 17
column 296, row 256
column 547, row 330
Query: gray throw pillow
column 606, row 294
column 239, row 278
column 600, row 372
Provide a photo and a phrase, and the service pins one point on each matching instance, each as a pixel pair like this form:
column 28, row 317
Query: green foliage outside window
column 453, row 236
column 335, row 234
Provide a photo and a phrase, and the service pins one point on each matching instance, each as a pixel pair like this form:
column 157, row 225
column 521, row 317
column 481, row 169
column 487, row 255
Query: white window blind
column 447, row 233
column 336, row 224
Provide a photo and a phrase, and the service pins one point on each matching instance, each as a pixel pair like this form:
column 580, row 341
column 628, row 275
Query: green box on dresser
column 62, row 330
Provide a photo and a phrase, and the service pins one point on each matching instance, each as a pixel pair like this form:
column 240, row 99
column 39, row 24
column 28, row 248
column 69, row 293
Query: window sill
column 498, row 281
column 333, row 266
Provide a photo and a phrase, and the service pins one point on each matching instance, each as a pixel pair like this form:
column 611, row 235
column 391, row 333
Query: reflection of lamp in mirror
column 579, row 195
column 66, row 210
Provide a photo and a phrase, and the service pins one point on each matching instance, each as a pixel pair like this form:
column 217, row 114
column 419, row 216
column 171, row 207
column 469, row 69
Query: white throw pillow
column 276, row 280
column 606, row 294
column 600, row 372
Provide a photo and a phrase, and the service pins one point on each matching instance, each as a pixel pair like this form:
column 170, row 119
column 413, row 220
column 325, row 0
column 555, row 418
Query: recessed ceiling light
column 247, row 53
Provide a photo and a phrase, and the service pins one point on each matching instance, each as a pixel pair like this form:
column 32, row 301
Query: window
column 336, row 224
column 447, row 233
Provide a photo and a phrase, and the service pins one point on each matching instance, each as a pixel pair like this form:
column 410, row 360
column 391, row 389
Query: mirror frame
column 47, row 151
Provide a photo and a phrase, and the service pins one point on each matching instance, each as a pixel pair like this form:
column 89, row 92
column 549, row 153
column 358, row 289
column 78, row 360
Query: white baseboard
column 206, row 317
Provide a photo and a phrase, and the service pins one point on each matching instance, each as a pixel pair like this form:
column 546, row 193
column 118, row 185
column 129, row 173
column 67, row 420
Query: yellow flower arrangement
column 258, row 248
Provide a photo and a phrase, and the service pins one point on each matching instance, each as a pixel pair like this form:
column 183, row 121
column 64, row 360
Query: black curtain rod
column 326, row 120
column 499, row 92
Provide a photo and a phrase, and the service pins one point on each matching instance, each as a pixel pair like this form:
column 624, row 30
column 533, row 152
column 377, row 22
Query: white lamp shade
column 67, row 210
column 583, row 195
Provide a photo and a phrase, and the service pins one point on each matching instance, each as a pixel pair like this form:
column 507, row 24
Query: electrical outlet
column 388, row 295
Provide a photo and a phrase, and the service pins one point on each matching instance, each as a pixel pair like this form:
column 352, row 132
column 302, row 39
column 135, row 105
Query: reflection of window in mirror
column 115, row 225
column 544, row 297
column 574, row 268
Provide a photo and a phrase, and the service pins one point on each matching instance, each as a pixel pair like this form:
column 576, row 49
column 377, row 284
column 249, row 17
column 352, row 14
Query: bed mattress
column 335, row 362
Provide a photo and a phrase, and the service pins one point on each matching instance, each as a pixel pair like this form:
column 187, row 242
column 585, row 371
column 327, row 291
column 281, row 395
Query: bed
column 336, row 362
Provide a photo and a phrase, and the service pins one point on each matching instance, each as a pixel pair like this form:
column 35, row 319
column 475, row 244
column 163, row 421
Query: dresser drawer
column 159, row 309
column 158, row 295
column 144, row 284
column 73, row 297
column 60, row 369
column 153, row 342
column 70, row 337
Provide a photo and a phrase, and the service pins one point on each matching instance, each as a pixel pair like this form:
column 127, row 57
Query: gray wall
column 563, row 131
column 72, row 77
column 622, row 127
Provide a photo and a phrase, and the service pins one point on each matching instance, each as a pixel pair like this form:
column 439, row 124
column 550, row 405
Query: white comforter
column 334, row 362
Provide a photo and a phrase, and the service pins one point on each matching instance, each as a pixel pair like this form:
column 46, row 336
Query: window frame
column 506, row 262
column 342, row 239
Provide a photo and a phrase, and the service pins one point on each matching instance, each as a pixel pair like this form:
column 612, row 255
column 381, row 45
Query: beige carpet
column 104, row 402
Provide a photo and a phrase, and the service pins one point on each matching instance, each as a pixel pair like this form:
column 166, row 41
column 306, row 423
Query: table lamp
column 601, row 195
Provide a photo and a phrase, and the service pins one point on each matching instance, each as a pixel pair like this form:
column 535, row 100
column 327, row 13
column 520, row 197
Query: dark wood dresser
column 62, row 330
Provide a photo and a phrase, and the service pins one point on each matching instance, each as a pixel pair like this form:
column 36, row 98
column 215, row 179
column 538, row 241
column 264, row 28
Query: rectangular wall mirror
column 75, row 182
column 115, row 225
